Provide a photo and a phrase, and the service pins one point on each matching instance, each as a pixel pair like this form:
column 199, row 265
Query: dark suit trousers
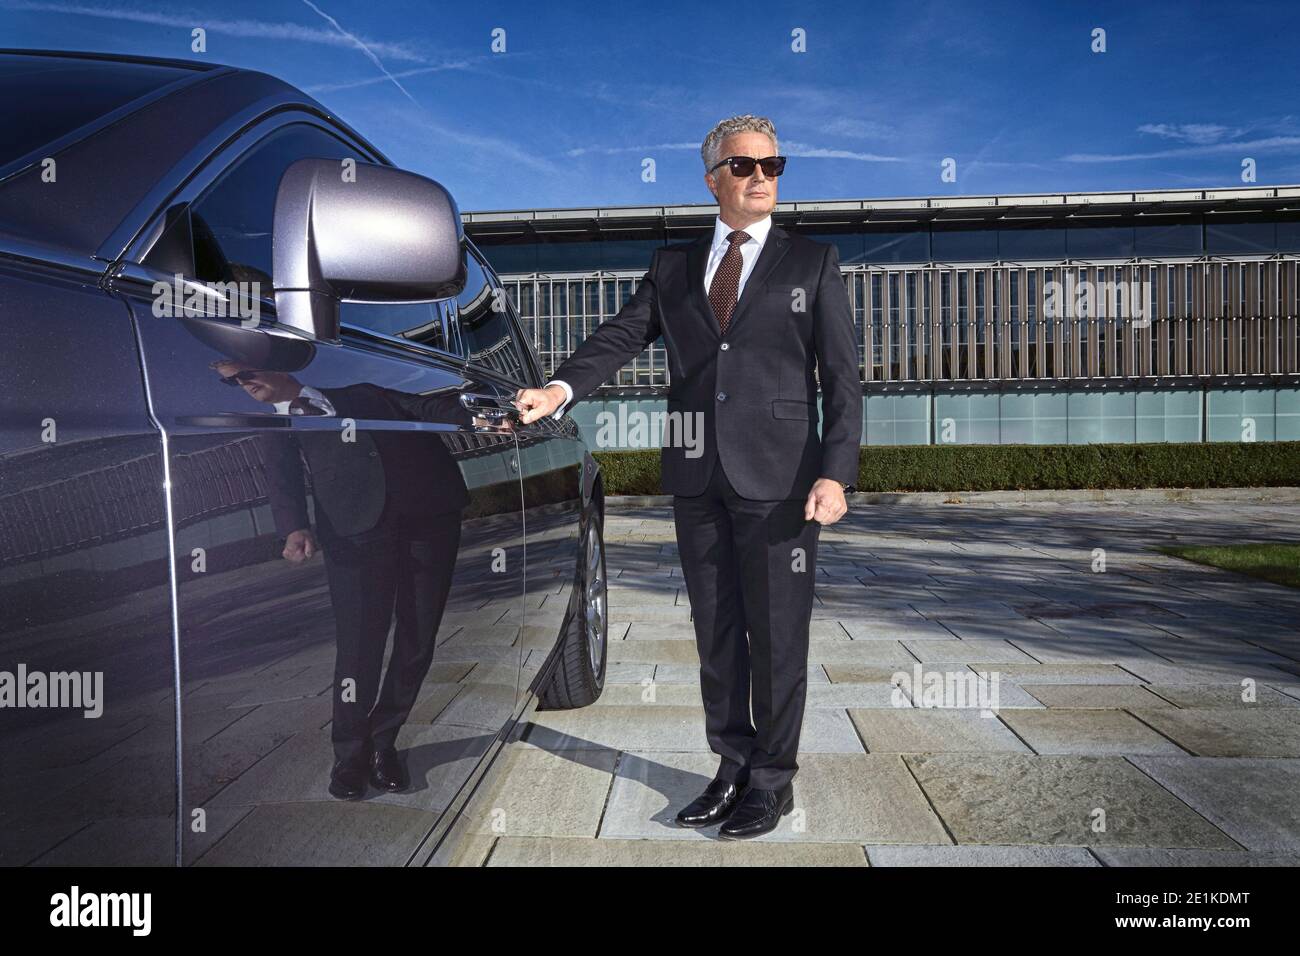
column 745, row 575
column 397, row 577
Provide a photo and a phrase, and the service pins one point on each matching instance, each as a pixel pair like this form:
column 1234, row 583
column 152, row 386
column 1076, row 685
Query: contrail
column 254, row 29
column 364, row 49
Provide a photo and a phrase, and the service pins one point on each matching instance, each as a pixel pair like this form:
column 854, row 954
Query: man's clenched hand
column 825, row 502
column 300, row 545
column 537, row 403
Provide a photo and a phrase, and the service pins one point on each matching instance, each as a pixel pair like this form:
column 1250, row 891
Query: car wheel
column 579, row 675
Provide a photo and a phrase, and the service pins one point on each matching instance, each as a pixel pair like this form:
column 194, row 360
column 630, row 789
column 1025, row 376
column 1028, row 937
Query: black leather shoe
column 718, row 799
column 758, row 812
column 387, row 772
column 347, row 782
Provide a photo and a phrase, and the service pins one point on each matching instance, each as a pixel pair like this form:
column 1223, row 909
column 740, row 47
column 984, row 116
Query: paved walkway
column 1144, row 714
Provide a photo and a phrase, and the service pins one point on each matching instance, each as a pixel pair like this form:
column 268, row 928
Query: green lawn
column 1272, row 561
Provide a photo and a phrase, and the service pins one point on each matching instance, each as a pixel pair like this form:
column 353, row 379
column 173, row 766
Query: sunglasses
column 743, row 166
column 240, row 377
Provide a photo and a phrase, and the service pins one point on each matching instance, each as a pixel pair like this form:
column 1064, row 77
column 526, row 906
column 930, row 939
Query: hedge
column 1026, row 467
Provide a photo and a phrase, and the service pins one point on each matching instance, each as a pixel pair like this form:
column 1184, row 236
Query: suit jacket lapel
column 697, row 262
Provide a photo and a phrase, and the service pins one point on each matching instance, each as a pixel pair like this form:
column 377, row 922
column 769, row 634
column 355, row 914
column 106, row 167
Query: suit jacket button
column 725, row 346
column 721, row 396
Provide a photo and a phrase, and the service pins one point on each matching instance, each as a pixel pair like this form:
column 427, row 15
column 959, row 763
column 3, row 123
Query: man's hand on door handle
column 535, row 403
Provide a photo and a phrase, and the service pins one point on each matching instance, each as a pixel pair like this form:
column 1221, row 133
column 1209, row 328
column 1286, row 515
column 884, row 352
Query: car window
column 486, row 333
column 421, row 322
column 225, row 234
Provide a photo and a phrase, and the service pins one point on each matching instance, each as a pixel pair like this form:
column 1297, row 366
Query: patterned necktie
column 303, row 406
column 722, row 291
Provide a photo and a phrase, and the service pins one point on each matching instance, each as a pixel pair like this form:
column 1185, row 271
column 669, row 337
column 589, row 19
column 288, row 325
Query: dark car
column 266, row 509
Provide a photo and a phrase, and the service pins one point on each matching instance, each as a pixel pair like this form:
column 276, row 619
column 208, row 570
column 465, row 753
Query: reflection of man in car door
column 388, row 506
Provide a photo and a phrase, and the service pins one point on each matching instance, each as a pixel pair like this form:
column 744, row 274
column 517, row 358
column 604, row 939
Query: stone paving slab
column 658, row 631
column 618, row 672
column 1108, row 649
column 892, row 653
column 543, row 793
column 980, row 856
column 1256, row 801
column 625, row 613
column 995, row 629
column 1221, row 696
column 1066, row 673
column 619, row 727
column 527, row 851
column 839, row 798
column 1053, row 800
column 1238, row 732
column 653, row 652
column 933, row 731
column 1157, row 671
column 896, row 629
column 862, row 694
column 864, row 673
column 652, row 694
column 1142, row 856
column 1097, row 696
column 967, row 652
column 1078, row 731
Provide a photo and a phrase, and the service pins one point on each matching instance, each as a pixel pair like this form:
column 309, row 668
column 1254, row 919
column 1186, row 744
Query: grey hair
column 748, row 123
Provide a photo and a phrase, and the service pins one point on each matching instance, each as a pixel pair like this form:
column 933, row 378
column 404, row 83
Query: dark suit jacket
column 757, row 395
column 409, row 473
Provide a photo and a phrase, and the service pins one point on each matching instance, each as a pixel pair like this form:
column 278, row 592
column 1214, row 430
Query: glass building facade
column 1117, row 317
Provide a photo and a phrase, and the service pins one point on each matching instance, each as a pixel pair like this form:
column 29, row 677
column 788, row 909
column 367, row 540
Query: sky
column 869, row 99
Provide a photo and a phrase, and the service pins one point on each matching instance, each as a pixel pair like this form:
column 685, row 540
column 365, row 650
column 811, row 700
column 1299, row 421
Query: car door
column 87, row 703
column 372, row 522
column 556, row 470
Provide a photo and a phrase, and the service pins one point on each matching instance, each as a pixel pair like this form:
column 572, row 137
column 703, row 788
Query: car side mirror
column 381, row 235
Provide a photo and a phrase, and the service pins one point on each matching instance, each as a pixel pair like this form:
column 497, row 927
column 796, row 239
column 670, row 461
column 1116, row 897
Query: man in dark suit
column 388, row 515
column 746, row 314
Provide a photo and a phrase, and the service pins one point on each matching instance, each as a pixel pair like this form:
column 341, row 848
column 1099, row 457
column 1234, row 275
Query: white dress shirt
column 312, row 396
column 749, row 250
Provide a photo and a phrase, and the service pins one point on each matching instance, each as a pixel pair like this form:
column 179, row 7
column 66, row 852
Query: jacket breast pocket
column 779, row 288
column 795, row 298
column 789, row 408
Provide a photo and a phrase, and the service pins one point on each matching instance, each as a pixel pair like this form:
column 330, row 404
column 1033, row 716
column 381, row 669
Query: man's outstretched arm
column 609, row 347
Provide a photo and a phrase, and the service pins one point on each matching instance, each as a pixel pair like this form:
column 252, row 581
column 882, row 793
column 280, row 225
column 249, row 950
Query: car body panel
column 84, row 583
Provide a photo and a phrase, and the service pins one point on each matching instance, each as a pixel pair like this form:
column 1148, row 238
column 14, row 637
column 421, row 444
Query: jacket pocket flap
column 789, row 408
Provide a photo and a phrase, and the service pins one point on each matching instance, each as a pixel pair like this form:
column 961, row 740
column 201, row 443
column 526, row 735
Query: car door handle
column 492, row 407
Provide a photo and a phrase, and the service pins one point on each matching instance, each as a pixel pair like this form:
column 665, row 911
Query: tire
column 578, row 676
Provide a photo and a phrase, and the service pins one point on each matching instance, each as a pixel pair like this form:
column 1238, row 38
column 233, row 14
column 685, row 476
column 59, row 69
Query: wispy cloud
column 1212, row 149
column 612, row 150
column 858, row 128
column 824, row 152
column 420, row 131
column 249, row 29
column 1198, row 133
